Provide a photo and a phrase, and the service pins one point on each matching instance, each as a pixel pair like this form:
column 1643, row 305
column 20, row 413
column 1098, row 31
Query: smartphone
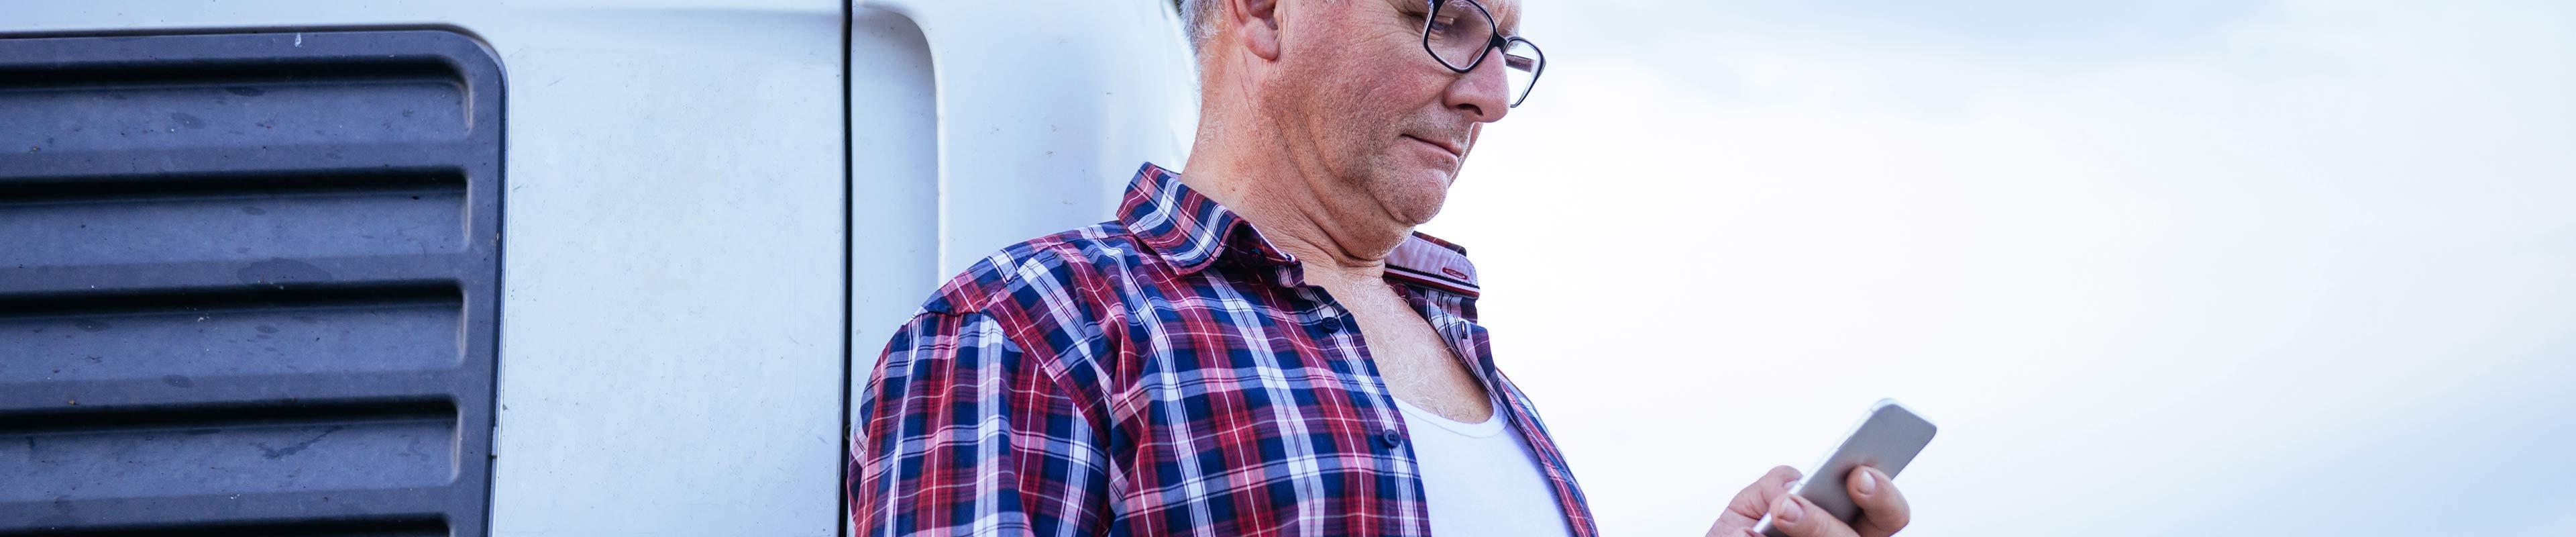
column 1886, row 439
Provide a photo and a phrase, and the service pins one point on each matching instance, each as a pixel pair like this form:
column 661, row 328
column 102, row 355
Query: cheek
column 1358, row 100
column 1401, row 84
column 1358, row 115
column 1380, row 106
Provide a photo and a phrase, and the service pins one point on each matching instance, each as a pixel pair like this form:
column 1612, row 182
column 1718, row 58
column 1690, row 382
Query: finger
column 1798, row 517
column 1756, row 498
column 1751, row 503
column 1883, row 510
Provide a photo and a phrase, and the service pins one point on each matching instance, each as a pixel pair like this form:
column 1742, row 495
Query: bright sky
column 2174, row 268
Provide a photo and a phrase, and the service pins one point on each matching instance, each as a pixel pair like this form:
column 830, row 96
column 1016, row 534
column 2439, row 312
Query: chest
column 1420, row 365
column 1285, row 395
column 1379, row 343
column 1396, row 334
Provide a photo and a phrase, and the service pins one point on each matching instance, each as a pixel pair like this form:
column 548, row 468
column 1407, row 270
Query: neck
column 1245, row 157
column 1277, row 192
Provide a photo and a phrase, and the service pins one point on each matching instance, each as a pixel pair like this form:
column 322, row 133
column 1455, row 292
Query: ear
column 1257, row 22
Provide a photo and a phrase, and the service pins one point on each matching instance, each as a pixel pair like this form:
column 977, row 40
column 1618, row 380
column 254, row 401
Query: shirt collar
column 1191, row 232
column 1186, row 229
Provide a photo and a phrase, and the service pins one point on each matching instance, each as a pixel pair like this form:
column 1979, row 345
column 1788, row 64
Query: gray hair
column 1198, row 20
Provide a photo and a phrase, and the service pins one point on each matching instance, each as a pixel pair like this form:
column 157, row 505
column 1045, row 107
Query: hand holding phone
column 1887, row 438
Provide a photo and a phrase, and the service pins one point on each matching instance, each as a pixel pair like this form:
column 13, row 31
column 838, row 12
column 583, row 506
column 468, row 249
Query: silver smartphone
column 1886, row 439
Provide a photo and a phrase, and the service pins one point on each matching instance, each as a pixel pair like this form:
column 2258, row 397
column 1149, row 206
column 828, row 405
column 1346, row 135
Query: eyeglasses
column 1459, row 33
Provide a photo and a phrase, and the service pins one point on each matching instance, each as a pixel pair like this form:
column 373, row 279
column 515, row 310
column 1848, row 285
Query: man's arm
column 962, row 433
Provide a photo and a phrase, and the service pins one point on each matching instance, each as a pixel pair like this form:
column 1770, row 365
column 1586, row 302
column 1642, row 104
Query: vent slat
column 248, row 283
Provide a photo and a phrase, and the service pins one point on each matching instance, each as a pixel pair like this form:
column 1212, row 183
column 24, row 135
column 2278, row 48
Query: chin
column 1416, row 195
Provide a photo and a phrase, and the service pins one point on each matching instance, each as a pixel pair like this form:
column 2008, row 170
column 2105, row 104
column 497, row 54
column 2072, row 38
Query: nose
column 1483, row 93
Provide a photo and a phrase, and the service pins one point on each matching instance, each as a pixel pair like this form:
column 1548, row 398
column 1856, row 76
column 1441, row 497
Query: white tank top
column 1480, row 478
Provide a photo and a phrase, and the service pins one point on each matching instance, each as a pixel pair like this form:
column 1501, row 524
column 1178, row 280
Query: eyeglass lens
column 1460, row 33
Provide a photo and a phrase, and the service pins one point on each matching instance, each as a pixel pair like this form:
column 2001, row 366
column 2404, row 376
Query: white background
column 2188, row 268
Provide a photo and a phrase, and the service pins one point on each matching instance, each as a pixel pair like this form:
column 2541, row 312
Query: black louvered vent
column 248, row 283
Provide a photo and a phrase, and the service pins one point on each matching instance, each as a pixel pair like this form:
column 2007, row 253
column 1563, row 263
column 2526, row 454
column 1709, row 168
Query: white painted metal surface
column 672, row 327
column 1042, row 100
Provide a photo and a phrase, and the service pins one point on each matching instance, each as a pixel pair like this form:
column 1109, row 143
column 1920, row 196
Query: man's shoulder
column 1023, row 279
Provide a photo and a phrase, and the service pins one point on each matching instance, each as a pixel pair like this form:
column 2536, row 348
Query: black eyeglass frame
column 1493, row 42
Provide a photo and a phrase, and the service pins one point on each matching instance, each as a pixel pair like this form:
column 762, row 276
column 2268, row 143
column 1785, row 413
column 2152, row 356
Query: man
column 1261, row 346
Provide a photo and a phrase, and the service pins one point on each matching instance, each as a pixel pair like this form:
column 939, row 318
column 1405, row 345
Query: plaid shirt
column 1166, row 373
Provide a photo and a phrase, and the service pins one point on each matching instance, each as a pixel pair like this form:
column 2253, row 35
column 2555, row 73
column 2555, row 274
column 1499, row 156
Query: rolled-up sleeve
column 961, row 432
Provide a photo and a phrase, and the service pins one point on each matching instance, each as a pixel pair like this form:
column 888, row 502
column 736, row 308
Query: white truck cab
column 558, row 267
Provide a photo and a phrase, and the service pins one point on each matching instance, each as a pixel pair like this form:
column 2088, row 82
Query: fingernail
column 1788, row 513
column 1868, row 482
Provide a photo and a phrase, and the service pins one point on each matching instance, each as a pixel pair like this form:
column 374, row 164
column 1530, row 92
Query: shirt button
column 1332, row 324
column 1390, row 437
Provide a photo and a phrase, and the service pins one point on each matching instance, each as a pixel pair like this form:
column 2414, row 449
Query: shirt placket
column 1344, row 343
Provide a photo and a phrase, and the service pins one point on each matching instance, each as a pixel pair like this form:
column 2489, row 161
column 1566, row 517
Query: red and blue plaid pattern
column 1165, row 373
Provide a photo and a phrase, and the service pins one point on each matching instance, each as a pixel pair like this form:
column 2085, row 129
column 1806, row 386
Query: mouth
column 1446, row 147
